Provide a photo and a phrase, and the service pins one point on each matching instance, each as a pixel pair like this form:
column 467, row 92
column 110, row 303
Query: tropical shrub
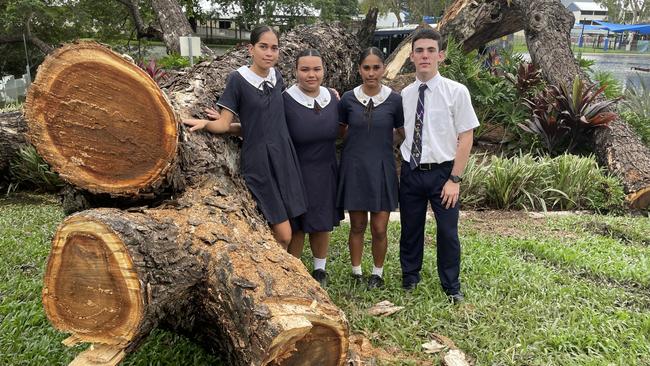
column 153, row 70
column 30, row 170
column 527, row 79
column 612, row 87
column 174, row 61
column 563, row 118
column 540, row 183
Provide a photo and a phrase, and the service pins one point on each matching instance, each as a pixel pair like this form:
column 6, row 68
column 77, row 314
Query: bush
column 494, row 99
column 174, row 61
column 605, row 79
column 525, row 182
column 635, row 109
column 29, row 169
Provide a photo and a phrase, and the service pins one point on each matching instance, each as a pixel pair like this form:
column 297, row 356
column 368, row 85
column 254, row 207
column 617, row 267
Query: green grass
column 563, row 290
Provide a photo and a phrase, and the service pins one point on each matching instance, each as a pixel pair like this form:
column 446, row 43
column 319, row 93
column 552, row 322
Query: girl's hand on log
column 195, row 124
column 212, row 113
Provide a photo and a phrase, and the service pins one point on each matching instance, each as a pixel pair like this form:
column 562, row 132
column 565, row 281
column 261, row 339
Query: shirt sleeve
column 399, row 113
column 464, row 116
column 343, row 111
column 231, row 96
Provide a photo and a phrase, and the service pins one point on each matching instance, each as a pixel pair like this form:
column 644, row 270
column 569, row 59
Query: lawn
column 541, row 290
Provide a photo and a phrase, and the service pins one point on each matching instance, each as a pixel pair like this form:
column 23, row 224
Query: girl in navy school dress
column 312, row 118
column 269, row 163
column 368, row 176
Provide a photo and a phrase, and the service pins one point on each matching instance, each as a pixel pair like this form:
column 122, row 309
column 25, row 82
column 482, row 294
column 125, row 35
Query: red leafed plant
column 153, row 70
column 563, row 118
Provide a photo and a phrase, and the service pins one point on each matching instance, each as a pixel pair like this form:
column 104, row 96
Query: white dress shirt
column 448, row 112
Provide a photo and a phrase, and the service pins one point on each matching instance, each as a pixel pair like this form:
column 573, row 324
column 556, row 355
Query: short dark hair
column 308, row 52
column 257, row 32
column 428, row 33
column 371, row 51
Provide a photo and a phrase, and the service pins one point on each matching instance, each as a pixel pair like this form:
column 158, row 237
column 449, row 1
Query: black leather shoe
column 357, row 278
column 375, row 282
column 409, row 287
column 321, row 276
column 456, row 298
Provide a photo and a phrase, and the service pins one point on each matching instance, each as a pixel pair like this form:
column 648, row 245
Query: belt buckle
column 425, row 166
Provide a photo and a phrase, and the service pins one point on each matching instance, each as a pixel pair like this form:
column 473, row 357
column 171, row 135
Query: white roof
column 586, row 6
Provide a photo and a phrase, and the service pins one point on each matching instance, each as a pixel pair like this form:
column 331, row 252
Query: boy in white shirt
column 438, row 121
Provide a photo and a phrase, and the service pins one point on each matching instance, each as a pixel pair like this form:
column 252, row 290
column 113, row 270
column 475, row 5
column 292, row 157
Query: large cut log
column 547, row 25
column 12, row 138
column 112, row 140
column 114, row 275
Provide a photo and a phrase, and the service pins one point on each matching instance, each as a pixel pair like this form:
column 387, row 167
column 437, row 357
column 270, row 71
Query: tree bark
column 12, row 137
column 547, row 26
column 174, row 24
column 141, row 30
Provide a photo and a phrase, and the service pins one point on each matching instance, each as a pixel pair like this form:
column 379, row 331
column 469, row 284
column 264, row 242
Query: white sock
column 356, row 270
column 319, row 263
column 379, row 271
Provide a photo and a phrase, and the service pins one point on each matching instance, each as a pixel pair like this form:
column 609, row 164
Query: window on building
column 225, row 24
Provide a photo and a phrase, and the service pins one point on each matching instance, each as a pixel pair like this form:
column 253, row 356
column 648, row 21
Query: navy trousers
column 417, row 189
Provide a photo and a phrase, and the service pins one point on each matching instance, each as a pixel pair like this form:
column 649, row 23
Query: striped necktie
column 416, row 147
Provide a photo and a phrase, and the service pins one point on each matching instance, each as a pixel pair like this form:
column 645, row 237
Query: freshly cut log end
column 100, row 121
column 102, row 305
column 309, row 333
column 640, row 199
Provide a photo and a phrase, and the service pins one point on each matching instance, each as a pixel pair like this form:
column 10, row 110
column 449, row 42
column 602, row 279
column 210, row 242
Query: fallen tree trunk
column 12, row 138
column 114, row 275
column 128, row 150
column 547, row 25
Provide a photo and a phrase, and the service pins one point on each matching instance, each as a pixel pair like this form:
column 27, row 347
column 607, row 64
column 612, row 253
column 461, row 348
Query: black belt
column 431, row 166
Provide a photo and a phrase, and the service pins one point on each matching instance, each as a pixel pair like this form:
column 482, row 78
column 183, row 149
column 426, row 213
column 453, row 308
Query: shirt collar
column 256, row 80
column 323, row 99
column 381, row 97
column 431, row 83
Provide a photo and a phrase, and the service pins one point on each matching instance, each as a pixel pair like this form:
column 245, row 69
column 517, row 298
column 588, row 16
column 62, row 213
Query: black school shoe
column 456, row 298
column 321, row 276
column 375, row 282
column 357, row 278
column 410, row 287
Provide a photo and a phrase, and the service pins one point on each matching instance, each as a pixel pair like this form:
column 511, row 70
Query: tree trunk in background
column 12, row 138
column 174, row 24
column 547, row 25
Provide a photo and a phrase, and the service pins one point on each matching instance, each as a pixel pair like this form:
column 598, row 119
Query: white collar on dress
column 323, row 99
column 381, row 97
column 256, row 80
